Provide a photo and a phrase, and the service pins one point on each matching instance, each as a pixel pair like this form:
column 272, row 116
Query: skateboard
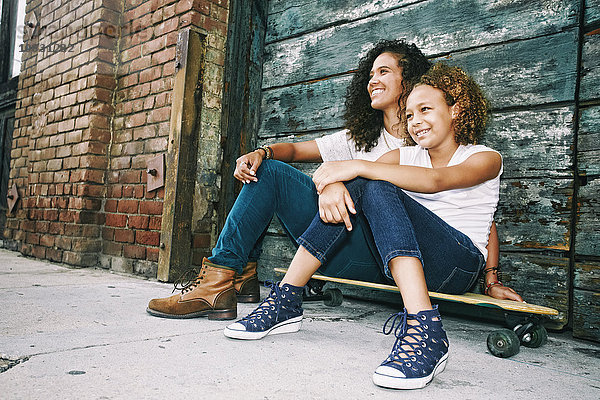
column 524, row 319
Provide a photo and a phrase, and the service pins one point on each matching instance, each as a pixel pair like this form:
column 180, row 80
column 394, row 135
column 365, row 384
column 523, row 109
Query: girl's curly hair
column 363, row 122
column 459, row 88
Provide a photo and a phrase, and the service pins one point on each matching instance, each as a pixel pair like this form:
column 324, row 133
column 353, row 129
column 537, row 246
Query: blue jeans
column 403, row 227
column 289, row 194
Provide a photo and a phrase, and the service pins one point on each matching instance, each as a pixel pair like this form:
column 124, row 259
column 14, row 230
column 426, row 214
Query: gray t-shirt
column 339, row 146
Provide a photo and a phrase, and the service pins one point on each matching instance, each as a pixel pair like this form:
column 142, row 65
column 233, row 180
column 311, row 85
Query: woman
column 273, row 187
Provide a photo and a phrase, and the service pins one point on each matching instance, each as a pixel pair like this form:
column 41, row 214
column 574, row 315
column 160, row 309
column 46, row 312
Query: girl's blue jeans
column 289, row 194
column 403, row 227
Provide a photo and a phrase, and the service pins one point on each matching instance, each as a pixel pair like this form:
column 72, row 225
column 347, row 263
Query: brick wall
column 93, row 106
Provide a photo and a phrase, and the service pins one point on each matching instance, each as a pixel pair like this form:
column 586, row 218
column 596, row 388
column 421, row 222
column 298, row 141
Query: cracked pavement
column 84, row 333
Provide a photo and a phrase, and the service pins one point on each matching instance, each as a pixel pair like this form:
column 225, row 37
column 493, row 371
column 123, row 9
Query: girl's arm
column 246, row 165
column 491, row 280
column 476, row 169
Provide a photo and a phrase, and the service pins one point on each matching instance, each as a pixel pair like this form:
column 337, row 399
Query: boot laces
column 188, row 280
column 409, row 338
column 268, row 305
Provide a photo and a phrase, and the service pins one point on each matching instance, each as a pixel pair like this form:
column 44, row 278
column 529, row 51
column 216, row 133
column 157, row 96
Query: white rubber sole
column 237, row 330
column 395, row 382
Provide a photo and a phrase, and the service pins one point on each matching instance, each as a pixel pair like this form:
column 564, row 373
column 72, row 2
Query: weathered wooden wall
column 537, row 60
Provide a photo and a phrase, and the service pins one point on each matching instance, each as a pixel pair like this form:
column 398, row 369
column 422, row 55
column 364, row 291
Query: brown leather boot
column 210, row 294
column 247, row 288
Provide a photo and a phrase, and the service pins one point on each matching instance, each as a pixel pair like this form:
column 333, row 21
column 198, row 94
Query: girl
column 273, row 187
column 430, row 208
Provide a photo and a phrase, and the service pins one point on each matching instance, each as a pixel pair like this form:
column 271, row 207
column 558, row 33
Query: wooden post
column 176, row 236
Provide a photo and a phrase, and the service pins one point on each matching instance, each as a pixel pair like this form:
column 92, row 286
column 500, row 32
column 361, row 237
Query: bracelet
column 489, row 285
column 268, row 152
column 491, row 269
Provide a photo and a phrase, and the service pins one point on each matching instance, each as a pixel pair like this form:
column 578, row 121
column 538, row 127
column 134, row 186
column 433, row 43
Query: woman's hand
column 334, row 204
column 335, row 171
column 503, row 293
column 246, row 166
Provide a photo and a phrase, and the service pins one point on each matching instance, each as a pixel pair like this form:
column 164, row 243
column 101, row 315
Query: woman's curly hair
column 363, row 122
column 459, row 88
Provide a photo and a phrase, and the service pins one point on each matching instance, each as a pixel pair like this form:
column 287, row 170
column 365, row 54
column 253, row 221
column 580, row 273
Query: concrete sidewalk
column 85, row 334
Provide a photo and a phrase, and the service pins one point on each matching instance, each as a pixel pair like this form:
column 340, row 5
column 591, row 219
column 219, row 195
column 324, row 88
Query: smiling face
column 385, row 85
column 429, row 117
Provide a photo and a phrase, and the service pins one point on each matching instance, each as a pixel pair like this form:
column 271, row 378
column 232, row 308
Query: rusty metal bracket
column 12, row 197
column 155, row 168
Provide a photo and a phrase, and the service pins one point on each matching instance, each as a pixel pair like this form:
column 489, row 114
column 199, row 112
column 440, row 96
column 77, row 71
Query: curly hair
column 363, row 122
column 458, row 88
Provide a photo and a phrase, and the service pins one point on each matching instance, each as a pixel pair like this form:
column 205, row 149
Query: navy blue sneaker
column 419, row 353
column 280, row 312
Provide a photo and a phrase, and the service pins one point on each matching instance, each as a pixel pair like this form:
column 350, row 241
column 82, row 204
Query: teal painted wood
column 534, row 214
column 459, row 25
column 534, row 143
column 309, row 15
column 587, row 276
column 586, row 314
column 588, row 142
column 539, row 280
column 303, row 108
column 587, row 234
column 546, row 75
column 592, row 11
column 537, row 71
column 590, row 77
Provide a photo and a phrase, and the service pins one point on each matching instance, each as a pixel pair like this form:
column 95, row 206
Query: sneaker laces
column 271, row 303
column 404, row 350
column 188, row 280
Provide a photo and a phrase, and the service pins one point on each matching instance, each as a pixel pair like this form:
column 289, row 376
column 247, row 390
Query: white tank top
column 469, row 210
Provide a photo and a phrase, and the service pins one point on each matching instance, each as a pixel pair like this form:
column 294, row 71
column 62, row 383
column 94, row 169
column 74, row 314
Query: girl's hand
column 246, row 166
column 335, row 171
column 504, row 293
column 334, row 204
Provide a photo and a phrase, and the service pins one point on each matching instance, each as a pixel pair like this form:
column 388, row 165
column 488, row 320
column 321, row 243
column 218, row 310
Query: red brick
column 154, row 223
column 147, row 238
column 128, row 206
column 133, row 251
column 152, row 254
column 138, row 222
column 108, row 233
column 151, row 207
column 117, row 220
column 124, row 235
column 110, row 206
column 112, row 248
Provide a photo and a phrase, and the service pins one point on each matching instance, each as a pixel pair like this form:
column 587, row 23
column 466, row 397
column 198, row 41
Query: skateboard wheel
column 536, row 337
column 333, row 297
column 503, row 343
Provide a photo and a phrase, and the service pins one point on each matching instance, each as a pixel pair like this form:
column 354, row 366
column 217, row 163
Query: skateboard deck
column 526, row 328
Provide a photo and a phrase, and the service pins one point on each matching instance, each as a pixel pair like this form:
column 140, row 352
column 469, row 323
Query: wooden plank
column 241, row 92
column 278, row 252
column 304, row 16
column 533, row 143
column 586, row 314
column 547, row 75
column 587, row 234
column 303, row 108
column 587, row 275
column 592, row 11
column 534, row 214
column 590, row 63
column 459, row 25
column 588, row 142
column 176, row 239
column 539, row 280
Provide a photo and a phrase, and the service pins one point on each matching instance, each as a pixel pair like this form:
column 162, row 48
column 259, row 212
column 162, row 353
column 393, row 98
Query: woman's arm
column 246, row 165
column 491, row 280
column 476, row 169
